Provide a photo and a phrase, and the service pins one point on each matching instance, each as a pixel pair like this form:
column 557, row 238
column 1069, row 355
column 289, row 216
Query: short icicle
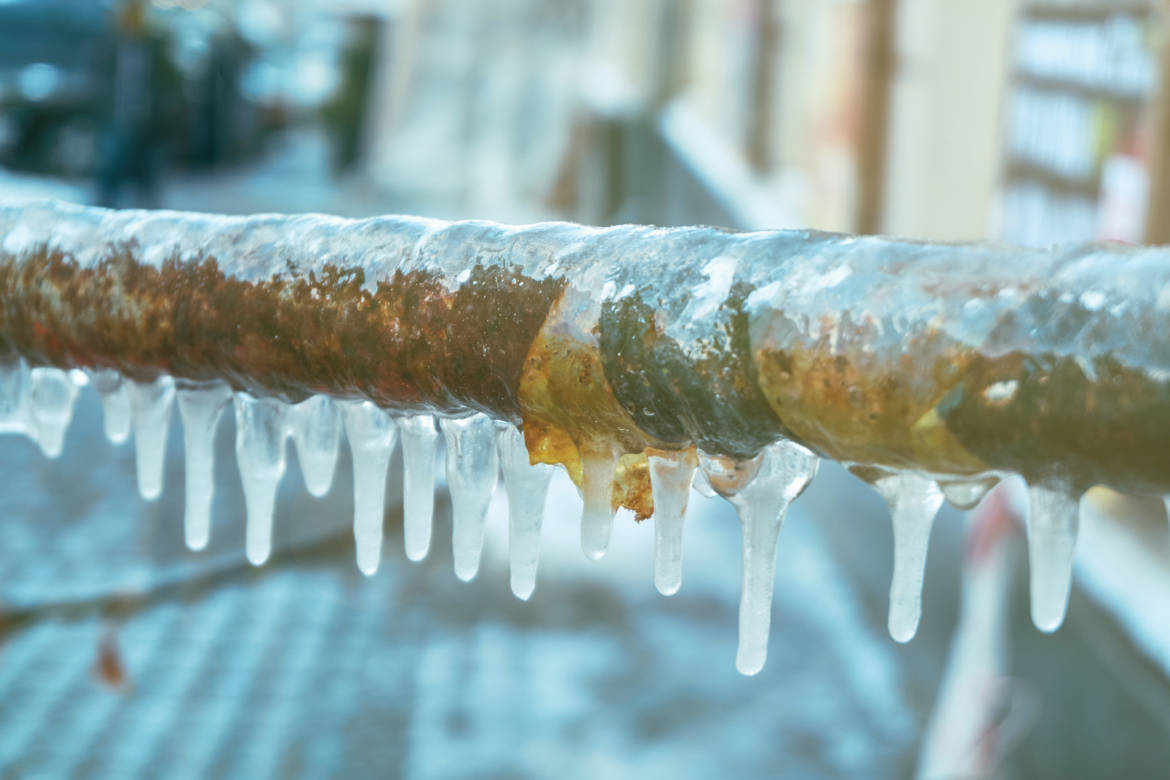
column 1053, row 519
column 473, row 466
column 966, row 493
column 201, row 406
column 52, row 393
column 372, row 434
column 419, row 444
column 260, row 456
column 115, row 403
column 1166, row 503
column 913, row 502
column 761, row 489
column 527, row 487
column 150, row 412
column 597, row 470
column 315, row 426
column 671, row 478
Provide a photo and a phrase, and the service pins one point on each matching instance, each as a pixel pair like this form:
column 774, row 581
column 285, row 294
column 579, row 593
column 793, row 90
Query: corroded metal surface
column 952, row 360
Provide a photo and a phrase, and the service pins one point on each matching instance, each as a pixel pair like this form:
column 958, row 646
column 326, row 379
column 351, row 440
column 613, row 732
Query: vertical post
column 759, row 131
column 1158, row 210
column 878, row 64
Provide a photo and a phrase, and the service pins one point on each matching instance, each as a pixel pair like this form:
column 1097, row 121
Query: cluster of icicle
column 38, row 402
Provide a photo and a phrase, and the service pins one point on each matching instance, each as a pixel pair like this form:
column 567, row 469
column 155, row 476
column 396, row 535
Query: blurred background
column 1028, row 121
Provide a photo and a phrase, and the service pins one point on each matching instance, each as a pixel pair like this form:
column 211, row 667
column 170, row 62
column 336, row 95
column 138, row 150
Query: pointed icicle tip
column 201, row 406
column 419, row 445
column 671, row 478
column 1053, row 519
column 761, row 491
column 473, row 467
column 260, row 434
column 913, row 502
column 372, row 434
column 526, row 485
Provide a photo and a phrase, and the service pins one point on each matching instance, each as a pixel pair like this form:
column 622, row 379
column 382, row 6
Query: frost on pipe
column 622, row 354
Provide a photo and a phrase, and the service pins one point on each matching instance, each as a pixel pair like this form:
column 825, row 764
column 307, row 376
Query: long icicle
column 597, row 470
column 150, row 411
column 1053, row 519
column 372, row 434
column 419, row 444
column 761, row 491
column 260, row 434
column 527, row 487
column 473, row 466
column 670, row 482
column 201, row 405
column 913, row 502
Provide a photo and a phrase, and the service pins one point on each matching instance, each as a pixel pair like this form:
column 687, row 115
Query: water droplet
column 967, row 493
column 372, row 435
column 1053, row 520
column 670, row 484
column 419, row 444
column 201, row 405
column 150, row 411
column 260, row 432
column 527, row 486
column 473, row 467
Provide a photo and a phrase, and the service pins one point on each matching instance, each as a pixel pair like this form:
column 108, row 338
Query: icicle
column 53, row 394
column 419, row 442
column 115, row 403
column 527, row 486
column 372, row 435
column 316, row 433
column 761, row 490
column 597, row 468
column 260, row 457
column 473, row 467
column 966, row 493
column 913, row 503
column 1166, row 502
column 200, row 407
column 670, row 483
column 1052, row 536
column 150, row 410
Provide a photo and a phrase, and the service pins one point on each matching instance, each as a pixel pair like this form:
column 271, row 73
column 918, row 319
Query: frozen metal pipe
column 948, row 359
